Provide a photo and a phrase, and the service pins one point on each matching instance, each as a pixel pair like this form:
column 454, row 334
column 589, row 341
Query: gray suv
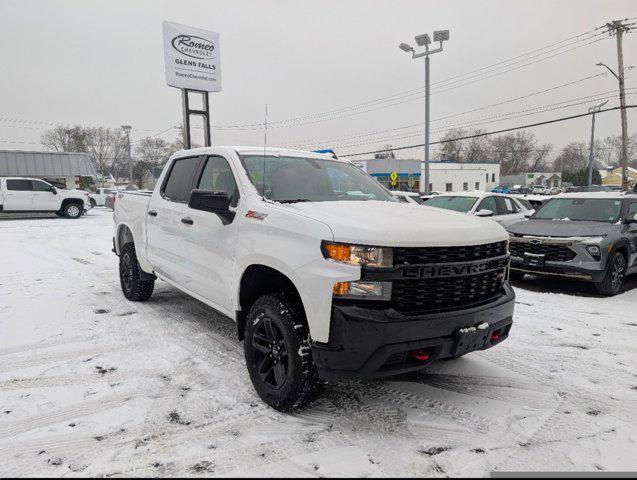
column 583, row 236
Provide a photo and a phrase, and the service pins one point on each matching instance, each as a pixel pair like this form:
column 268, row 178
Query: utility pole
column 594, row 109
column 424, row 41
column 127, row 129
column 618, row 28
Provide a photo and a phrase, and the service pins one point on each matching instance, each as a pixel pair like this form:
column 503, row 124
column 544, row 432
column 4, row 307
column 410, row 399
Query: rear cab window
column 179, row 181
column 19, row 185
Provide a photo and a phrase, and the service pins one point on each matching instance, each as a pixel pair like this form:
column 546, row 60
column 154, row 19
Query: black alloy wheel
column 270, row 354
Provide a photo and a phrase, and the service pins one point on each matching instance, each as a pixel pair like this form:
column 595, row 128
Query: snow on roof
column 601, row 195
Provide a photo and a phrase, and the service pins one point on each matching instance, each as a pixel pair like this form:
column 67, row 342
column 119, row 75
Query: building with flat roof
column 63, row 169
column 445, row 176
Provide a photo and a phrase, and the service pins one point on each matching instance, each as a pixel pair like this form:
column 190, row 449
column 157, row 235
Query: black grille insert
column 551, row 252
column 431, row 295
column 422, row 255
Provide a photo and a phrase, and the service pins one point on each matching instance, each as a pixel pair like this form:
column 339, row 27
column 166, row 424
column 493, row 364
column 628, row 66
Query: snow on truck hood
column 394, row 224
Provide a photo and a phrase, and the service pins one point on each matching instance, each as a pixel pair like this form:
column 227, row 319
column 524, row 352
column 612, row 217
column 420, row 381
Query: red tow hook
column 495, row 336
column 420, row 355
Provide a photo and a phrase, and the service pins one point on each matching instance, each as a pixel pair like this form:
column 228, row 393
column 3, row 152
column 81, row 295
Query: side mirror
column 529, row 213
column 484, row 213
column 211, row 201
column 53, row 190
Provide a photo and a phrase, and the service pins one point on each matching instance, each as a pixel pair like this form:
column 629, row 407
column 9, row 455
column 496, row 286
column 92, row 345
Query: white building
column 444, row 176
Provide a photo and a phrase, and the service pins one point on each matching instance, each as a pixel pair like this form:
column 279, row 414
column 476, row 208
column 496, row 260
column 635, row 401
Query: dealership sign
column 192, row 58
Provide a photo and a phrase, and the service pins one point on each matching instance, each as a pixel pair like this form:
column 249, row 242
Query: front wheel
column 133, row 287
column 72, row 210
column 613, row 281
column 278, row 355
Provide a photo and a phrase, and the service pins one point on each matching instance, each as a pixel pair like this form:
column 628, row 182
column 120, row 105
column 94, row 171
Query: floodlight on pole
column 424, row 40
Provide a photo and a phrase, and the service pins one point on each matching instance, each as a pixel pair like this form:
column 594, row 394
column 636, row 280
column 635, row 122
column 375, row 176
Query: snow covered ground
column 91, row 384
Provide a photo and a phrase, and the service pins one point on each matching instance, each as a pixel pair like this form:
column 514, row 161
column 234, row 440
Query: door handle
column 152, row 213
column 187, row 220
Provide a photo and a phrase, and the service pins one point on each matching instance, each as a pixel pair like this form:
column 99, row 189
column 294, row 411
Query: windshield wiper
column 296, row 200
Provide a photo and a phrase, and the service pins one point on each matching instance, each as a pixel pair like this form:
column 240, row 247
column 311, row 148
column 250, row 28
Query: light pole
column 424, row 41
column 594, row 109
column 127, row 129
column 622, row 104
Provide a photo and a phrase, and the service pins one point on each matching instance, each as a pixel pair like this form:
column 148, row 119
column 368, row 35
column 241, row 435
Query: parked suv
column 583, row 236
column 35, row 195
column 326, row 274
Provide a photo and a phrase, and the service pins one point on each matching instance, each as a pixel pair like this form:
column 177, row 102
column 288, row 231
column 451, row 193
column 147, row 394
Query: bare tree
column 67, row 139
column 108, row 149
column 518, row 152
column 450, row 148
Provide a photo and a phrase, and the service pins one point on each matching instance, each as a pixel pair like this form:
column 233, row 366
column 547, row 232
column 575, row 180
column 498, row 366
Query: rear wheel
column 133, row 287
column 93, row 203
column 72, row 210
column 613, row 281
column 277, row 351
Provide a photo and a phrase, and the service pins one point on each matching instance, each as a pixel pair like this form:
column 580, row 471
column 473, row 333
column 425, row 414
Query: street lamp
column 127, row 129
column 424, row 40
column 624, row 121
column 594, row 109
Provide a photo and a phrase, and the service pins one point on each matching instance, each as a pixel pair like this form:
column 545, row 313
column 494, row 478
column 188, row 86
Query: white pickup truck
column 326, row 274
column 35, row 195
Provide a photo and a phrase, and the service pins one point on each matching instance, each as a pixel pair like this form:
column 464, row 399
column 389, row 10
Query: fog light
column 594, row 250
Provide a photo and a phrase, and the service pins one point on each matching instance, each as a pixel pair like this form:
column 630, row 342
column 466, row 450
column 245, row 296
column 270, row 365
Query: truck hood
column 396, row 224
column 562, row 228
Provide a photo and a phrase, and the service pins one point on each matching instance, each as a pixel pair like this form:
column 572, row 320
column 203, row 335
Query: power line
column 367, row 134
column 490, row 119
column 467, row 137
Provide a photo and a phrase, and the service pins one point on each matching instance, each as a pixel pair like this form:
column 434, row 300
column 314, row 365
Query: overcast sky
column 101, row 63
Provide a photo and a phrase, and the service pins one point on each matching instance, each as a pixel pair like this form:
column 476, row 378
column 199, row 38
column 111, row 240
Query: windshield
column 297, row 179
column 448, row 202
column 592, row 209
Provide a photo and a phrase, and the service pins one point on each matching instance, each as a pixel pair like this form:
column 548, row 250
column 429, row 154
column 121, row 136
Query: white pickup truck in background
column 326, row 274
column 35, row 195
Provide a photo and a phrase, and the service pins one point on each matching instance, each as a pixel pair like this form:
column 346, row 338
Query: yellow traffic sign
column 393, row 177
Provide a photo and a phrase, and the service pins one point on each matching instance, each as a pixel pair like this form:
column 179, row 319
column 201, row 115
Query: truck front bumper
column 367, row 343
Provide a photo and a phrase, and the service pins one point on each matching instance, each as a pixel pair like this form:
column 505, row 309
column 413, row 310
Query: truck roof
column 256, row 150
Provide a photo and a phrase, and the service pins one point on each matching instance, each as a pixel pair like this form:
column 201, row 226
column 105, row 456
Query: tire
column 72, row 210
column 516, row 275
column 133, row 287
column 613, row 281
column 93, row 203
column 278, row 355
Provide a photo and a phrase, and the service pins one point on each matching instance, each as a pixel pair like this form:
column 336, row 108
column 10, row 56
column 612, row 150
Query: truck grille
column 431, row 295
column 416, row 256
column 551, row 252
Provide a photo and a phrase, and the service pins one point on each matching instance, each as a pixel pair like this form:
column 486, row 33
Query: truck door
column 164, row 226
column 18, row 195
column 209, row 244
column 43, row 196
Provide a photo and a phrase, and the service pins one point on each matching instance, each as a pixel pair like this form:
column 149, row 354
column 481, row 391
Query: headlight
column 591, row 240
column 375, row 257
column 362, row 290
